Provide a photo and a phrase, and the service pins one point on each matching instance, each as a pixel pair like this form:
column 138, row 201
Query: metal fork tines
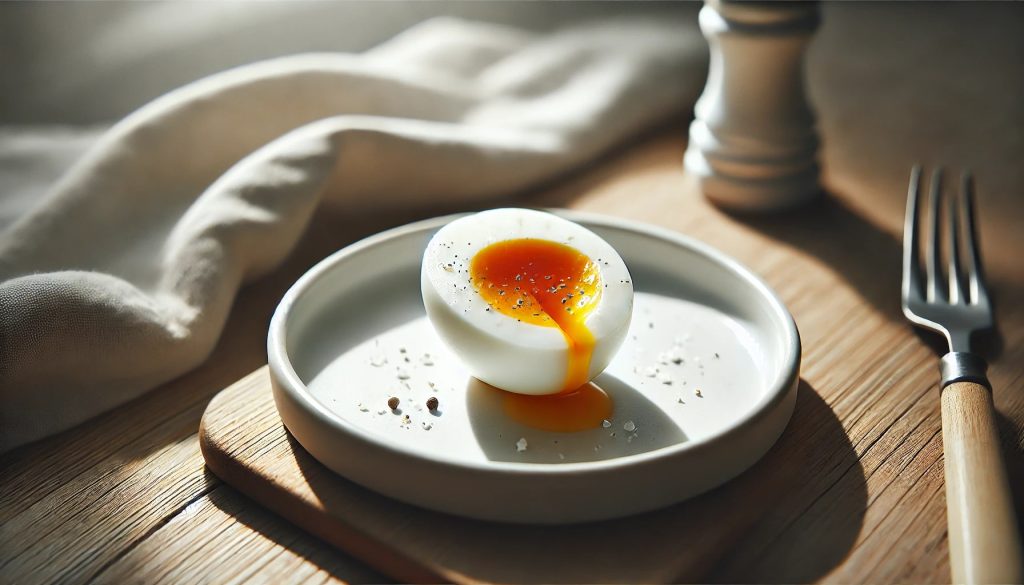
column 957, row 305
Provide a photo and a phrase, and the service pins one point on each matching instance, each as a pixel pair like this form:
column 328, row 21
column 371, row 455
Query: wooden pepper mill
column 753, row 144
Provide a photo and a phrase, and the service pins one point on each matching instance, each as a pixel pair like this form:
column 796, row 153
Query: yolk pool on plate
column 576, row 410
column 552, row 285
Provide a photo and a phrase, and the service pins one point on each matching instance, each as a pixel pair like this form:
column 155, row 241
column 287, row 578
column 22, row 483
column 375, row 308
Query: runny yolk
column 552, row 285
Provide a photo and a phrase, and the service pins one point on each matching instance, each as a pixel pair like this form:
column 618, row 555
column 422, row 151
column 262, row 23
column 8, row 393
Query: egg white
column 496, row 348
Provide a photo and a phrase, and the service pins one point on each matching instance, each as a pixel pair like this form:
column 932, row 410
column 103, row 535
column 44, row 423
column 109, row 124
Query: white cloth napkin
column 121, row 276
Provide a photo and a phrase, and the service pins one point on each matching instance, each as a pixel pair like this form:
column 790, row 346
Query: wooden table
column 126, row 496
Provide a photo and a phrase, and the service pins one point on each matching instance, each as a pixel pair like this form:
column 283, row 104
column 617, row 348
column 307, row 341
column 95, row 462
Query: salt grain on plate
column 426, row 360
column 427, row 426
column 606, row 423
column 521, row 445
column 629, row 426
column 377, row 360
column 402, row 375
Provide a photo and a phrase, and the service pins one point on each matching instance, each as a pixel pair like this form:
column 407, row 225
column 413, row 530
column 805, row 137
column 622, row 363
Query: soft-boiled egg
column 533, row 304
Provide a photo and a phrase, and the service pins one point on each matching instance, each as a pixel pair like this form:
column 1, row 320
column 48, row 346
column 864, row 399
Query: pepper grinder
column 753, row 144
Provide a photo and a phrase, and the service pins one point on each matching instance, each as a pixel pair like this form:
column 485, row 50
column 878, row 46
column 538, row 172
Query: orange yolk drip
column 552, row 285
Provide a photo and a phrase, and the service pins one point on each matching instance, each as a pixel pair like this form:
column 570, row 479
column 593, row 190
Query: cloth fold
column 121, row 276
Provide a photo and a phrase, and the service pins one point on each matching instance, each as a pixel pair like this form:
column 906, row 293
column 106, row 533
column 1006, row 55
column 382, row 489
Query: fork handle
column 984, row 545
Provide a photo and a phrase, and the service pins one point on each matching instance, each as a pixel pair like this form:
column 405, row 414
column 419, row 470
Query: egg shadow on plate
column 866, row 256
column 497, row 434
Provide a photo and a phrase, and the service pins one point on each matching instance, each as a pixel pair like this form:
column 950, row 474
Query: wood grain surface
column 853, row 492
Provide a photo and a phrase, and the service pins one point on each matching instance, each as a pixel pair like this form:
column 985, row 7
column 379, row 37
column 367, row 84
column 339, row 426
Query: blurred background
column 93, row 62
column 70, row 69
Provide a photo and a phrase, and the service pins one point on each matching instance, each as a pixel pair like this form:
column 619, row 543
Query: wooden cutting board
column 761, row 526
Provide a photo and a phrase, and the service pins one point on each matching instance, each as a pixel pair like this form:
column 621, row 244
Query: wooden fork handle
column 984, row 545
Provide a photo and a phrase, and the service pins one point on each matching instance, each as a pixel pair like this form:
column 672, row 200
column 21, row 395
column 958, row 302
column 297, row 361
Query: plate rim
column 288, row 380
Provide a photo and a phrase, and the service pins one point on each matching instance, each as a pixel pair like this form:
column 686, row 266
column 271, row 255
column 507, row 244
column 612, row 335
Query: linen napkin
column 121, row 276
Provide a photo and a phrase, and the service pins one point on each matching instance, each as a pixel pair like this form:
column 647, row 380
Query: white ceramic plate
column 703, row 386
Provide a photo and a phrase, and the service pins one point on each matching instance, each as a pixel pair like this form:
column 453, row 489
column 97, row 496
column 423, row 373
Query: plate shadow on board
column 792, row 517
column 341, row 566
column 812, row 494
column 496, row 433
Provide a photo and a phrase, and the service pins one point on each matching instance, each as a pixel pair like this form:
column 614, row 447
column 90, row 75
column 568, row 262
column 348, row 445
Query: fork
column 984, row 546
